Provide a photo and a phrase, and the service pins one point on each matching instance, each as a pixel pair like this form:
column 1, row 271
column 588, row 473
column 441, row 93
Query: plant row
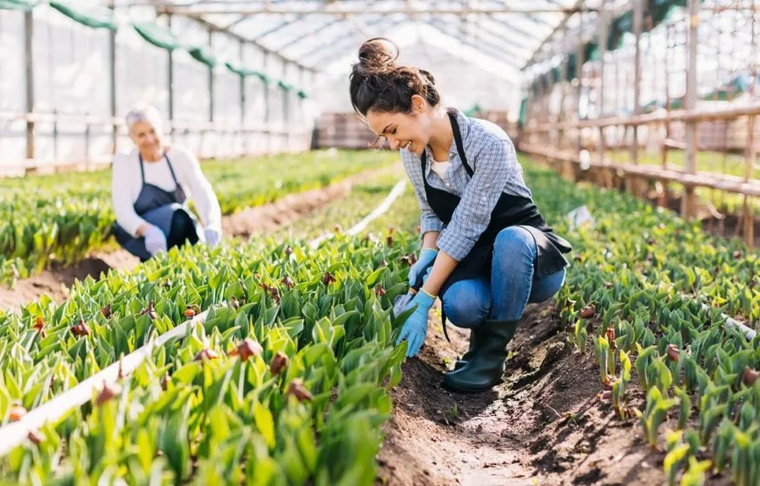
column 59, row 219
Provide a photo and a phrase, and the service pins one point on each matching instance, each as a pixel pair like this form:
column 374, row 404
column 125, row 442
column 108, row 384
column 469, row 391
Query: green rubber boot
column 486, row 367
column 470, row 351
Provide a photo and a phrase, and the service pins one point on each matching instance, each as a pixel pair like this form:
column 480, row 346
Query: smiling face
column 147, row 137
column 410, row 131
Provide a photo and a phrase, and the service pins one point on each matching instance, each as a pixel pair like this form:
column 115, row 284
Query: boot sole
column 468, row 390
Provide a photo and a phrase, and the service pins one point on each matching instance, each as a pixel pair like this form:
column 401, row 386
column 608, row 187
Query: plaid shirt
column 491, row 156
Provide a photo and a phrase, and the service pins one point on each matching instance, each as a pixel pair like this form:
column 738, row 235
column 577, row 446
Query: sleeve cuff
column 429, row 224
column 454, row 245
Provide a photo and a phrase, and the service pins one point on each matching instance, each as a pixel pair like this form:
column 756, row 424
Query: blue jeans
column 505, row 293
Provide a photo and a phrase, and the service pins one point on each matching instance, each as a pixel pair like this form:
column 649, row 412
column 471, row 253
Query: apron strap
column 171, row 169
column 142, row 168
column 460, row 149
column 460, row 145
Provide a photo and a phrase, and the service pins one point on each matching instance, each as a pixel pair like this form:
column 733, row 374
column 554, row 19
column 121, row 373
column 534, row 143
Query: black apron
column 154, row 205
column 509, row 211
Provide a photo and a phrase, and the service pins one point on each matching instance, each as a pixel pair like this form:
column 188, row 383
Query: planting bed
column 623, row 379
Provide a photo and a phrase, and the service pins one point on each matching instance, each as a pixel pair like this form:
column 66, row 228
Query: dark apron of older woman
column 150, row 189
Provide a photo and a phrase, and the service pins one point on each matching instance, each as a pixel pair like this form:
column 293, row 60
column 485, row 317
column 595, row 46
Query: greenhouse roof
column 311, row 32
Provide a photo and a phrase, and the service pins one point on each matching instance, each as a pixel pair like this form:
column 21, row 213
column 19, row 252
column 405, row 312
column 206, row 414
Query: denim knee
column 466, row 305
column 514, row 241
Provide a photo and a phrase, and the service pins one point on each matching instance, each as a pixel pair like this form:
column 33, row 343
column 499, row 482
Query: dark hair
column 377, row 83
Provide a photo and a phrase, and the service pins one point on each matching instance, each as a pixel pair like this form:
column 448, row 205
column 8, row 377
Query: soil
column 543, row 425
column 251, row 221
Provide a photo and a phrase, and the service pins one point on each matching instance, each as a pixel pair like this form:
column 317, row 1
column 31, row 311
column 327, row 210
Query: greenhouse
column 402, row 242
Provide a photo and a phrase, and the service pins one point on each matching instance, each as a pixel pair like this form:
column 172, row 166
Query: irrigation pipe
column 397, row 190
column 14, row 434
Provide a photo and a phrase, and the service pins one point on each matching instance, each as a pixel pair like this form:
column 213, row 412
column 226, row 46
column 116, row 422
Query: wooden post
column 112, row 82
column 689, row 202
column 603, row 14
column 579, row 73
column 637, row 20
column 749, row 163
column 29, row 66
column 748, row 209
column 636, row 186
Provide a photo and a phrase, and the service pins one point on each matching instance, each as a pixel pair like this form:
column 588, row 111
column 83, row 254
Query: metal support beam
column 578, row 7
column 494, row 32
column 112, row 82
column 218, row 28
column 336, row 44
column 491, row 49
column 170, row 79
column 689, row 202
column 309, row 10
column 267, row 101
column 274, row 29
column 307, row 33
column 448, row 28
column 286, row 126
column 243, row 102
column 210, row 80
column 29, row 68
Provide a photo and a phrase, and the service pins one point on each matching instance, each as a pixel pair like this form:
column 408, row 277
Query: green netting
column 287, row 87
column 659, row 10
column 18, row 4
column 158, row 36
column 239, row 70
column 200, row 54
column 261, row 76
column 103, row 20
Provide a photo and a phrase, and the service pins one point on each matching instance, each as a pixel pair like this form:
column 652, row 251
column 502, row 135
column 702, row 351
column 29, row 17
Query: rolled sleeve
column 473, row 214
column 429, row 222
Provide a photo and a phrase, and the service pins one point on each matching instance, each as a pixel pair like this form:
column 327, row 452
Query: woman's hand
column 155, row 240
column 213, row 234
column 415, row 328
column 424, row 262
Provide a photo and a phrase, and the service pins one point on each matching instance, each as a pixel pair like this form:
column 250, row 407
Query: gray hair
column 143, row 112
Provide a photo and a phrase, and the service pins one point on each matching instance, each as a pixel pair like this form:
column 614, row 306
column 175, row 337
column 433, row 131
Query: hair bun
column 377, row 55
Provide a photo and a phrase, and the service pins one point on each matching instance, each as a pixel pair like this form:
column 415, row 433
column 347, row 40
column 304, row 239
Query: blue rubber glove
column 155, row 240
column 425, row 261
column 415, row 327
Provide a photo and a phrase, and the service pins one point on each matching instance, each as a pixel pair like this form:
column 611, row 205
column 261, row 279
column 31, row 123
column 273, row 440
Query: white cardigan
column 127, row 183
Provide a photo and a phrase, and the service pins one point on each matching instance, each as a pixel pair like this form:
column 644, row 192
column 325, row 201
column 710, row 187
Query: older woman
column 150, row 187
